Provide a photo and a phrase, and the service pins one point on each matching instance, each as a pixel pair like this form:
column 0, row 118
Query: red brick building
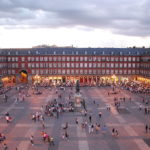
column 89, row 65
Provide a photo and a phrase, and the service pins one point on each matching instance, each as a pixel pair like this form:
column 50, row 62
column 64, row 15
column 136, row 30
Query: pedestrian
column 32, row 140
column 100, row 114
column 113, row 131
column 5, row 146
column 66, row 135
column 43, row 125
column 50, row 140
column 76, row 120
column 146, row 128
column 90, row 118
column 116, row 133
column 66, row 126
column 90, row 128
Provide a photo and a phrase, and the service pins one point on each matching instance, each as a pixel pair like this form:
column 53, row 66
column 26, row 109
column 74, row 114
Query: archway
column 23, row 76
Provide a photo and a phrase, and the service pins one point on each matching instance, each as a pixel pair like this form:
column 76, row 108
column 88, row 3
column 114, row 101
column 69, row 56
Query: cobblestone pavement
column 128, row 120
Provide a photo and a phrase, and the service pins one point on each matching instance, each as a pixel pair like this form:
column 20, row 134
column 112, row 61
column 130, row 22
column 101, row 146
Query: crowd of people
column 59, row 105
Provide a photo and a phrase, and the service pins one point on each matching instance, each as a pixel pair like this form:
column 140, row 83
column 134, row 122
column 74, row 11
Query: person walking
column 76, row 120
column 100, row 114
column 5, row 146
column 90, row 118
column 146, row 128
column 32, row 140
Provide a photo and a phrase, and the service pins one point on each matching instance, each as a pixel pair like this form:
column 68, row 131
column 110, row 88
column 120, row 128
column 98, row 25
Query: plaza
column 128, row 118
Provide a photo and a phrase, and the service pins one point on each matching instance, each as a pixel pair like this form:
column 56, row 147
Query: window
column 59, row 58
column 63, row 71
column 85, row 65
column 99, row 58
column 72, row 71
column 129, row 58
column 72, row 65
column 129, row 65
column 41, row 71
column 125, row 71
column 33, row 71
column 63, row 65
column 107, row 71
column 77, row 58
column 94, row 65
column 50, row 58
column 81, row 58
column 116, row 58
column 54, row 65
column 41, row 58
column 59, row 65
column 45, row 58
column 116, row 71
column 85, row 58
column 81, row 71
column 103, row 65
column 85, row 71
column 121, row 58
column 133, row 58
column 112, row 65
column 133, row 65
column 72, row 58
column 16, row 58
column 121, row 65
column 37, row 65
column 112, row 58
column 63, row 58
column 68, row 65
column 129, row 71
column 77, row 65
column 37, row 58
column 125, row 58
column 9, row 58
column 125, row 65
column 81, row 65
column 120, row 71
column 94, row 58
column 90, row 65
column 32, row 58
column 54, row 58
column 23, row 65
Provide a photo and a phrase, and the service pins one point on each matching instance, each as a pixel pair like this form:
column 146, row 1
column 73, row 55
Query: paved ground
column 129, row 121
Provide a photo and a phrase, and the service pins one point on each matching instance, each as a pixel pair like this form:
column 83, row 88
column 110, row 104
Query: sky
column 78, row 23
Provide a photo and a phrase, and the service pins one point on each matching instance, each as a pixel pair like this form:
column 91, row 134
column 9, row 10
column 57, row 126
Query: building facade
column 88, row 65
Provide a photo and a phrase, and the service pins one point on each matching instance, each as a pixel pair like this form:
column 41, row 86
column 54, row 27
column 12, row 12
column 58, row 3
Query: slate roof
column 76, row 51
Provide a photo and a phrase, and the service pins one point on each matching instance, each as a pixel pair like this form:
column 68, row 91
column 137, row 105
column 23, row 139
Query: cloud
column 124, row 17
